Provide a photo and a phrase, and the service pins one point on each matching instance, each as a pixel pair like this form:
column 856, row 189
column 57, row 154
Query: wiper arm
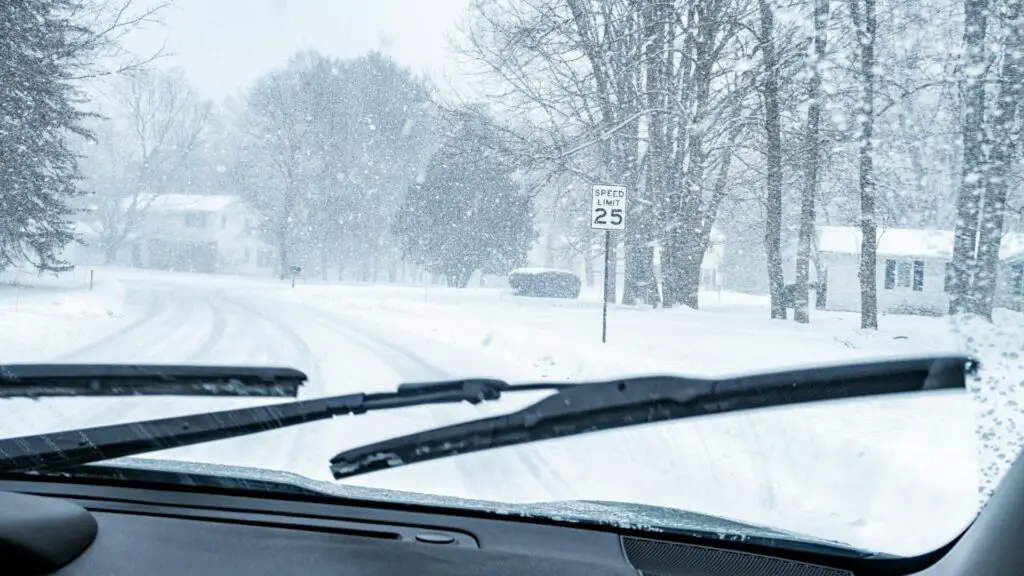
column 58, row 450
column 574, row 409
column 48, row 380
column 592, row 407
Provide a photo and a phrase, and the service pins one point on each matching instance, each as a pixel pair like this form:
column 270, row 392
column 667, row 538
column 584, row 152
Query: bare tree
column 97, row 32
column 864, row 21
column 641, row 94
column 773, row 157
column 1003, row 154
column 989, row 152
column 155, row 123
column 801, row 312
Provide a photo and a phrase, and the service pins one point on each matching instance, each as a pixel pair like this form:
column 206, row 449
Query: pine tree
column 39, row 114
column 467, row 214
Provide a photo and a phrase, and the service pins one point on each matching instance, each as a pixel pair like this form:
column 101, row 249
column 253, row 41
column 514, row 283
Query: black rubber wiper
column 48, row 380
column 592, row 407
column 574, row 409
column 67, row 449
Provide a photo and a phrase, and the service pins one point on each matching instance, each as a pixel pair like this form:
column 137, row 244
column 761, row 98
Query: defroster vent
column 654, row 558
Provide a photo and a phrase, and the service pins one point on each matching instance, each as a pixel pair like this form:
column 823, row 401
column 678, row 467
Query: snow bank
column 561, row 339
column 43, row 316
column 106, row 299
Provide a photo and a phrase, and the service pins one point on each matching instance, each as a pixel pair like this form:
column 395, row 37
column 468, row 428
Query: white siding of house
column 839, row 248
column 844, row 286
column 175, row 221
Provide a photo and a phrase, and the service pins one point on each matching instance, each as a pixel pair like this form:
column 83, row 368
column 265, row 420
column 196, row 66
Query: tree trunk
column 869, row 229
column 1001, row 161
column 641, row 283
column 109, row 251
column 962, row 297
column 588, row 264
column 801, row 308
column 282, row 251
column 773, row 134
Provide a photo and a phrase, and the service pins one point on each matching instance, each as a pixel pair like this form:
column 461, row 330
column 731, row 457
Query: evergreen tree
column 39, row 113
column 467, row 213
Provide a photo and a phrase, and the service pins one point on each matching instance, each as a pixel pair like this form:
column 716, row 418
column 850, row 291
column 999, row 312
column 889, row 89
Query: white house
column 198, row 233
column 911, row 271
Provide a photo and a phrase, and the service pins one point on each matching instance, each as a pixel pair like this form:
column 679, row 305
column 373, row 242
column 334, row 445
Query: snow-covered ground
column 898, row 475
column 42, row 316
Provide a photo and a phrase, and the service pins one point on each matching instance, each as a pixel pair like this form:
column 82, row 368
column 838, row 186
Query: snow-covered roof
column 182, row 202
column 86, row 229
column 906, row 242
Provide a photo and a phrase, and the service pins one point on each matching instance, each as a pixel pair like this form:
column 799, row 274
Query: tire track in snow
column 204, row 350
column 155, row 340
column 137, row 341
column 156, row 306
column 293, row 450
column 79, row 408
column 411, row 368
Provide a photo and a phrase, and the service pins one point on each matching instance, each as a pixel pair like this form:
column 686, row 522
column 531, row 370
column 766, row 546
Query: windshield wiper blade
column 54, row 380
column 574, row 409
column 597, row 406
column 59, row 450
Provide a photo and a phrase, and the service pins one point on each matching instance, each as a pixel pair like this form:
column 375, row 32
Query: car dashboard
column 156, row 531
column 72, row 526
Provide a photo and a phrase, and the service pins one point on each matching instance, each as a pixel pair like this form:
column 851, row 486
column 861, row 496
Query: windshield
column 398, row 191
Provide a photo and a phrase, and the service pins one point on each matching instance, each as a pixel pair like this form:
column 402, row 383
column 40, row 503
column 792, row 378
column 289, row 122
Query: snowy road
column 820, row 472
column 185, row 323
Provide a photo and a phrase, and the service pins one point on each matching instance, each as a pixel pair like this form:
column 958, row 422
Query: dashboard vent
column 397, row 532
column 654, row 558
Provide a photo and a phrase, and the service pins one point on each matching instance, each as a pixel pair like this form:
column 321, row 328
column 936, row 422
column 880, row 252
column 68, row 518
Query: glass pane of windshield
column 392, row 191
column 897, row 475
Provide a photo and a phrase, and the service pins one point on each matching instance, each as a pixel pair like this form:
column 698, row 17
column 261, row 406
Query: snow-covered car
column 544, row 283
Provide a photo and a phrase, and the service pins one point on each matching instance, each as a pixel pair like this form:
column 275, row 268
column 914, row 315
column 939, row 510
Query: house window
column 195, row 220
column 246, row 256
column 904, row 274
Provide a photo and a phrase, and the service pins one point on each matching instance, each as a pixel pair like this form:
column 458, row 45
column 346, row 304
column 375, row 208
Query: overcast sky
column 223, row 46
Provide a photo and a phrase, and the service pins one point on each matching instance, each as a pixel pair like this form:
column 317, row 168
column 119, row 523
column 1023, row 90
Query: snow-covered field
column 899, row 475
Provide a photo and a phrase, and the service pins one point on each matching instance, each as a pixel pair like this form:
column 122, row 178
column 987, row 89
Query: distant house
column 912, row 270
column 194, row 233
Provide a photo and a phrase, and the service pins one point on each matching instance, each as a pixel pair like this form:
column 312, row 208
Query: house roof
column 907, row 242
column 183, row 202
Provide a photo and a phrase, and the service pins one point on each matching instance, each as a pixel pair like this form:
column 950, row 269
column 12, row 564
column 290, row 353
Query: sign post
column 608, row 213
